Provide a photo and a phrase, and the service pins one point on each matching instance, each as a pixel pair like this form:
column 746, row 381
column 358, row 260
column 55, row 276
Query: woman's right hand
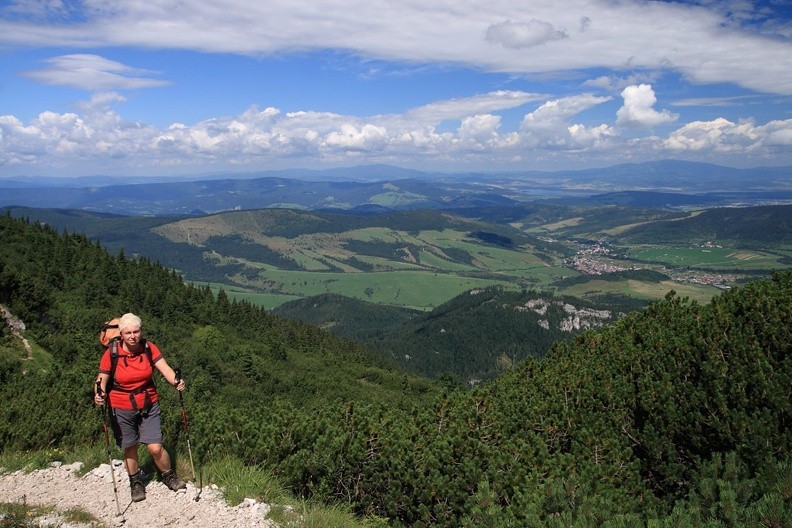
column 99, row 393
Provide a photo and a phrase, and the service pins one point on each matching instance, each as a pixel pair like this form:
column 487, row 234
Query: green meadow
column 429, row 272
column 709, row 258
column 700, row 293
column 266, row 300
column 422, row 290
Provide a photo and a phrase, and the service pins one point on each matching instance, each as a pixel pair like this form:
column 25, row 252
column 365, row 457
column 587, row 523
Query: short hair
column 129, row 319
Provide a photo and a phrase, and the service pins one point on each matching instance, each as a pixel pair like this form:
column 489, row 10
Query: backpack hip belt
column 132, row 393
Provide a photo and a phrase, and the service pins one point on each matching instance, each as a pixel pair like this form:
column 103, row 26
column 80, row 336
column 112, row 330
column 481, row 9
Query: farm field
column 642, row 290
column 708, row 257
column 431, row 279
column 266, row 300
column 421, row 290
column 419, row 268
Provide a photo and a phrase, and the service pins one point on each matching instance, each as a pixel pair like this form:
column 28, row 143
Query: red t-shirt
column 132, row 372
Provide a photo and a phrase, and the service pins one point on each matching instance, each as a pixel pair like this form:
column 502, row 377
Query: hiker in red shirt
column 134, row 402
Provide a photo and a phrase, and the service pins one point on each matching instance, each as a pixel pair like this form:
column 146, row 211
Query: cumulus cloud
column 598, row 137
column 638, row 108
column 350, row 137
column 53, row 139
column 550, row 126
column 778, row 133
column 92, row 72
column 479, row 131
column 722, row 135
column 96, row 135
column 518, row 35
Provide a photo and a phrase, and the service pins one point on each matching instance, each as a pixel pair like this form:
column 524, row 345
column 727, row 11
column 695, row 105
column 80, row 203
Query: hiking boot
column 138, row 489
column 170, row 479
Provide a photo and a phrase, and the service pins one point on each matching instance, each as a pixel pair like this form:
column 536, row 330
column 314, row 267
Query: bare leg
column 160, row 457
column 131, row 459
column 136, row 485
column 163, row 462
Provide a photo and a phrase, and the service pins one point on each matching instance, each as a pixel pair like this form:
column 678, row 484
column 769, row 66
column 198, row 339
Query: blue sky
column 162, row 87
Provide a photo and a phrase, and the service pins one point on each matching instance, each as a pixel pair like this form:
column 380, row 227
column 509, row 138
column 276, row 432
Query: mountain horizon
column 365, row 172
column 391, row 187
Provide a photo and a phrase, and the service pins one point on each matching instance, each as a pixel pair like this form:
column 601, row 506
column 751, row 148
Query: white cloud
column 550, row 126
column 518, row 35
column 97, row 136
column 617, row 83
column 92, row 72
column 350, row 137
column 479, row 132
column 693, row 40
column 778, row 133
column 724, row 136
column 555, row 114
column 598, row 138
column 637, row 110
column 713, row 101
column 39, row 10
column 459, row 108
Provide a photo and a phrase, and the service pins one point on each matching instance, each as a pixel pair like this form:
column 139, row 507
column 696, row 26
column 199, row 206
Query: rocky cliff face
column 575, row 318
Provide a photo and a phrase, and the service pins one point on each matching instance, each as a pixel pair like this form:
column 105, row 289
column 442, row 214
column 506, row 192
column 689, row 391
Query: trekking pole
column 186, row 430
column 109, row 452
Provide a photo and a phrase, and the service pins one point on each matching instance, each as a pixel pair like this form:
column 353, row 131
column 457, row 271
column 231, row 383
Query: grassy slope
column 420, row 265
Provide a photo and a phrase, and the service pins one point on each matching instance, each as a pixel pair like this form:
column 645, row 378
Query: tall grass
column 240, row 482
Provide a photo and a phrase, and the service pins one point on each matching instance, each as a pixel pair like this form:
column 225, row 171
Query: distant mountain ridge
column 395, row 188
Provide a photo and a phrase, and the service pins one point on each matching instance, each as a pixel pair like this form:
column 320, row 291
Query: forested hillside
column 678, row 415
column 471, row 338
column 750, row 227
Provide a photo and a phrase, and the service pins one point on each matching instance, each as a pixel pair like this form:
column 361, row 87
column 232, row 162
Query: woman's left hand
column 180, row 385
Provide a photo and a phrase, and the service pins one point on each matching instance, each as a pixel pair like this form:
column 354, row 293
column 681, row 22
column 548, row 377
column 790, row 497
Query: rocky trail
column 60, row 486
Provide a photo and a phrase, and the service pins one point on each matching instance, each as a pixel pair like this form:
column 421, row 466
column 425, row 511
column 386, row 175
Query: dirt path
column 59, row 486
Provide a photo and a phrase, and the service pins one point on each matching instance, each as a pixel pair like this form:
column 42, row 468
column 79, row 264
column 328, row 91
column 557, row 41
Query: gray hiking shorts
column 137, row 427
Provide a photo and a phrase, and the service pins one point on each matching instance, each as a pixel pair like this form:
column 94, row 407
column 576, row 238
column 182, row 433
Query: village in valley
column 599, row 258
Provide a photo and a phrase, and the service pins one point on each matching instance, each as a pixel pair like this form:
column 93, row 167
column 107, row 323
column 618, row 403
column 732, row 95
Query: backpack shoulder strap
column 147, row 351
column 113, row 346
